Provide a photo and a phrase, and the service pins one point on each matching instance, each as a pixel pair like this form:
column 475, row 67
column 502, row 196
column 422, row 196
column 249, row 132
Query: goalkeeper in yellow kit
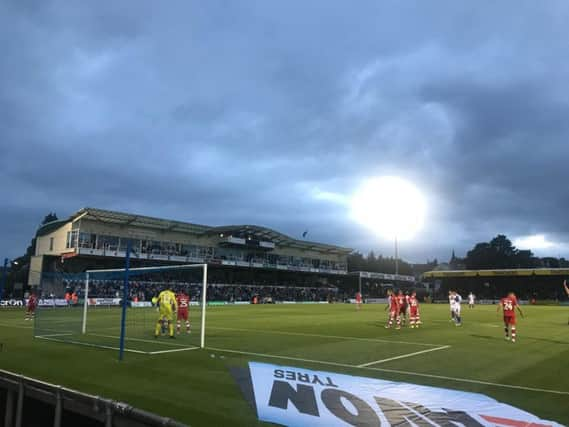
column 167, row 311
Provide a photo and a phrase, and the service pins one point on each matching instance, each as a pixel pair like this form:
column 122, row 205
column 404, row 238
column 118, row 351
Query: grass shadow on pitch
column 380, row 324
column 547, row 340
column 490, row 337
column 376, row 323
column 487, row 337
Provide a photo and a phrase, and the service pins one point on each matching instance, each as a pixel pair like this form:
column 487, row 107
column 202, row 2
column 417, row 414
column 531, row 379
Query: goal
column 113, row 308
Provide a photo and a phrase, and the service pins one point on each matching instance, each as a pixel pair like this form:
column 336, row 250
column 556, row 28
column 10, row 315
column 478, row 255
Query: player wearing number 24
column 509, row 304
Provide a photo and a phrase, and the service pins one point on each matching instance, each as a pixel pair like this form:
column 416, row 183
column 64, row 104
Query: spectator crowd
column 145, row 290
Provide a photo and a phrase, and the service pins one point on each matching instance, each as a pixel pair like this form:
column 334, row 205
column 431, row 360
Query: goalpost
column 133, row 272
column 93, row 317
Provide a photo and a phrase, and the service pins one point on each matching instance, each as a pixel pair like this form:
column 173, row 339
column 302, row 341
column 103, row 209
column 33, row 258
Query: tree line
column 498, row 253
column 501, row 253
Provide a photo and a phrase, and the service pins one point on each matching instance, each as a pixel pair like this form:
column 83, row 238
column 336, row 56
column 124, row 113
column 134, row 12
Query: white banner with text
column 292, row 397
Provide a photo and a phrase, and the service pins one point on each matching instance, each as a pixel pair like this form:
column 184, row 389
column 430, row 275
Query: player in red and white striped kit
column 414, row 316
column 393, row 305
column 358, row 300
column 183, row 311
column 508, row 305
column 402, row 300
column 31, row 306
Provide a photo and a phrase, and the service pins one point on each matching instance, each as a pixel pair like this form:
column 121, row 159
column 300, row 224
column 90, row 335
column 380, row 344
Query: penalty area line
column 272, row 356
column 302, row 334
column 403, row 356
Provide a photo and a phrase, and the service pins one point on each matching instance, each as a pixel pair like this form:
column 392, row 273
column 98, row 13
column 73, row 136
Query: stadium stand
column 257, row 259
column 102, row 235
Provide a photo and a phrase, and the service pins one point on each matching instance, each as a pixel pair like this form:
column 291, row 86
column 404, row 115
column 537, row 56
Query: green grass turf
column 196, row 388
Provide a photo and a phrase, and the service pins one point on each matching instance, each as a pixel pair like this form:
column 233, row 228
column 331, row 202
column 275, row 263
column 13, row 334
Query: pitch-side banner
column 104, row 301
column 11, row 303
column 52, row 302
column 140, row 304
column 292, row 397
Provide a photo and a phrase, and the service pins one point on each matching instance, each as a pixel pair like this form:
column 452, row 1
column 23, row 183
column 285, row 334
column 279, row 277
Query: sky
column 276, row 112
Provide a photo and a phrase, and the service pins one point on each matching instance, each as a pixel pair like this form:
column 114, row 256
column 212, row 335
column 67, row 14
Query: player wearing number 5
column 167, row 308
column 508, row 305
column 183, row 301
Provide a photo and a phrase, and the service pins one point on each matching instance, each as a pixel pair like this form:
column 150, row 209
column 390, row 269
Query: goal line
column 179, row 347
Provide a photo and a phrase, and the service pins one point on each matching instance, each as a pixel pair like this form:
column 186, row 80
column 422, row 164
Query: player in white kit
column 455, row 307
column 450, row 300
column 471, row 299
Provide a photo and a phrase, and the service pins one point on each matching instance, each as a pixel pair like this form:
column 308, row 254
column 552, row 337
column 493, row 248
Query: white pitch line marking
column 272, row 356
column 173, row 344
column 403, row 356
column 466, row 380
column 93, row 345
column 324, row 336
column 28, row 327
column 173, row 350
column 66, row 321
column 54, row 335
column 16, row 326
column 395, row 371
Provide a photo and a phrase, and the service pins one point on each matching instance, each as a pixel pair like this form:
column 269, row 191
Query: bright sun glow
column 389, row 206
column 537, row 241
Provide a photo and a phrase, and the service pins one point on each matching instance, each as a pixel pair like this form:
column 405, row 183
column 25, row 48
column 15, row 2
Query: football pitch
column 174, row 378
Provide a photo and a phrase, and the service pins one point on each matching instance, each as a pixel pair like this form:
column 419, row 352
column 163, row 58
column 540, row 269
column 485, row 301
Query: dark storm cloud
column 273, row 112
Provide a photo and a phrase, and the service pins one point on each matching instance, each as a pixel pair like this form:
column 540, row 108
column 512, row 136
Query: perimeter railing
column 30, row 402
